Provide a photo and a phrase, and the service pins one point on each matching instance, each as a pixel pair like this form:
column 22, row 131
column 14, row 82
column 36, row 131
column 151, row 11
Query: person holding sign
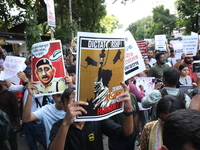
column 67, row 134
column 188, row 61
column 45, row 73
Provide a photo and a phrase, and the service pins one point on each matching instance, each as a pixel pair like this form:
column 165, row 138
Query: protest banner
column 134, row 62
column 12, row 65
column 142, row 47
column 48, row 67
column 100, row 63
column 51, row 19
column 178, row 49
column 190, row 45
column 160, row 41
column 187, row 90
column 146, row 82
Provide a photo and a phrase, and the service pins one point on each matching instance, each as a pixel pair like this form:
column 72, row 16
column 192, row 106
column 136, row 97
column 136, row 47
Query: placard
column 160, row 41
column 48, row 67
column 12, row 65
column 190, row 45
column 134, row 62
column 142, row 47
column 100, row 63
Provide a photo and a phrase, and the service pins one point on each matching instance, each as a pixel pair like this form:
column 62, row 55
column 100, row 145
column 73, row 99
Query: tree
column 188, row 11
column 138, row 28
column 109, row 23
column 162, row 22
column 32, row 31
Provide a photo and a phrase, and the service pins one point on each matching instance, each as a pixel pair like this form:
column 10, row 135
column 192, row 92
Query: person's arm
column 71, row 111
column 133, row 89
column 168, row 50
column 128, row 125
column 195, row 103
column 151, row 99
column 27, row 115
column 177, row 64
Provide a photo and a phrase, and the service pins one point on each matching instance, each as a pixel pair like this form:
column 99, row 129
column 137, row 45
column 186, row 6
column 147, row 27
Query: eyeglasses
column 45, row 69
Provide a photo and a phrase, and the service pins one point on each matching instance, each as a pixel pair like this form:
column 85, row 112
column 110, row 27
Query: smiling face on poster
column 48, row 67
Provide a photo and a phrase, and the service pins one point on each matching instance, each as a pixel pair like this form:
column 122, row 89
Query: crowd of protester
column 169, row 120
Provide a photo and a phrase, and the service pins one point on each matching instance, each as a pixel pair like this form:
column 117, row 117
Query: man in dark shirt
column 69, row 135
column 9, row 104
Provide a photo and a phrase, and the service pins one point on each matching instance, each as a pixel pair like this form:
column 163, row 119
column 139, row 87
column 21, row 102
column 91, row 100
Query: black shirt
column 90, row 137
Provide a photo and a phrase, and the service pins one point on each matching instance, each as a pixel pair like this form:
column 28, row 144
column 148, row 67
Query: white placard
column 12, row 65
column 134, row 63
column 160, row 42
column 51, row 19
column 190, row 45
column 146, row 82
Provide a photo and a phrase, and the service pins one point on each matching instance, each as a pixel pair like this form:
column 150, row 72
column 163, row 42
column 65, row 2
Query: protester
column 188, row 61
column 150, row 55
column 185, row 79
column 151, row 138
column 170, row 80
column 181, row 130
column 9, row 104
column 148, row 67
column 195, row 103
column 67, row 134
column 157, row 70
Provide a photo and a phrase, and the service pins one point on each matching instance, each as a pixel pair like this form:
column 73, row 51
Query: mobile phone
column 196, row 66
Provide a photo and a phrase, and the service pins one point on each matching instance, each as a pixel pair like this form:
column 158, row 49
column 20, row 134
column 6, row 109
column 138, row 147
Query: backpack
column 5, row 126
column 45, row 101
column 180, row 95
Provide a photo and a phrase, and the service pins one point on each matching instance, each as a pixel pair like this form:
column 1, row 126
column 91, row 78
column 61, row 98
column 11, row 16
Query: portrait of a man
column 45, row 73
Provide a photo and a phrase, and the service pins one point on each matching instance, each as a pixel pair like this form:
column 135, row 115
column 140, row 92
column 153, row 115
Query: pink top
column 133, row 89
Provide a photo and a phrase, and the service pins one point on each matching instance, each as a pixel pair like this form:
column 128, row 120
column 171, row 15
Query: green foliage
column 162, row 22
column 32, row 31
column 188, row 15
column 109, row 23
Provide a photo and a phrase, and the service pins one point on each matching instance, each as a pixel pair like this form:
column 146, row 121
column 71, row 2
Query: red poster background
column 142, row 47
column 58, row 64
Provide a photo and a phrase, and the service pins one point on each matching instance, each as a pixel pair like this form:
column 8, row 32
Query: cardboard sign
column 48, row 67
column 160, row 42
column 190, row 44
column 134, row 63
column 100, row 63
column 12, row 65
column 142, row 47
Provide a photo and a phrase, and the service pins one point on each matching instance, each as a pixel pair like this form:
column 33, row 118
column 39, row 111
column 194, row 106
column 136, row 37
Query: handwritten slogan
column 12, row 65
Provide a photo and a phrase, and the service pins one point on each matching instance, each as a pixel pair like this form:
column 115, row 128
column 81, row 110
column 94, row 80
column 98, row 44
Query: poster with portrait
column 100, row 63
column 147, row 83
column 48, row 67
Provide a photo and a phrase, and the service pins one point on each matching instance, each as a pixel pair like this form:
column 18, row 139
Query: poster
column 160, row 41
column 48, row 67
column 147, row 83
column 190, row 44
column 142, row 47
column 134, row 62
column 12, row 65
column 100, row 63
column 178, row 49
column 51, row 19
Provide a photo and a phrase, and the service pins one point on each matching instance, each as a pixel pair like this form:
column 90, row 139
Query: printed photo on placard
column 48, row 67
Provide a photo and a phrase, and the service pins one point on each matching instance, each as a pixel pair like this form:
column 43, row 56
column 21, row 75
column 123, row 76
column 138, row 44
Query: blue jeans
column 34, row 131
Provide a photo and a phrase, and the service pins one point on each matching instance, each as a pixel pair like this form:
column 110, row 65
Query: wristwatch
column 195, row 91
column 129, row 113
column 26, row 82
